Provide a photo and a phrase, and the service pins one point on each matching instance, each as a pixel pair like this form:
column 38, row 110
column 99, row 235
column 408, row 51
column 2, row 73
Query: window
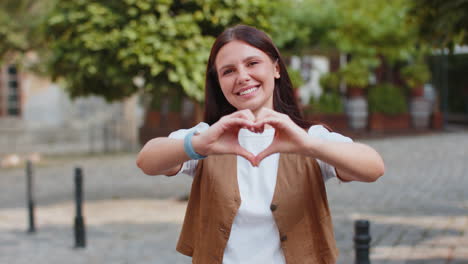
column 10, row 96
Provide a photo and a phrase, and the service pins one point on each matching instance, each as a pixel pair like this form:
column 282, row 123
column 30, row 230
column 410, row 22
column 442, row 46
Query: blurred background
column 88, row 82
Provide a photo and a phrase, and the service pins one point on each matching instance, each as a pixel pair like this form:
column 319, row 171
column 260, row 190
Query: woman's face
column 246, row 76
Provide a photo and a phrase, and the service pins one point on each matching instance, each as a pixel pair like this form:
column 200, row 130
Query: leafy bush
column 387, row 99
column 98, row 47
column 330, row 81
column 327, row 103
column 416, row 74
column 355, row 74
column 296, row 78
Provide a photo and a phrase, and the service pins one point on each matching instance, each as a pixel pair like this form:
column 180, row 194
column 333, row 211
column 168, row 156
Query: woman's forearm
column 353, row 161
column 166, row 155
column 162, row 156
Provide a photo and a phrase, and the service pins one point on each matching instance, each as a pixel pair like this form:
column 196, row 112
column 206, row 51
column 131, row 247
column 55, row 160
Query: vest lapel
column 223, row 173
column 288, row 198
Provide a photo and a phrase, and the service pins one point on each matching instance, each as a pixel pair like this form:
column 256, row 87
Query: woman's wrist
column 312, row 147
column 190, row 149
column 198, row 146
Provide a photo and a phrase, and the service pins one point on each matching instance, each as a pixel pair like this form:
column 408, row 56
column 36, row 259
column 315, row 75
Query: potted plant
column 388, row 108
column 356, row 77
column 152, row 119
column 174, row 116
column 296, row 80
column 330, row 81
column 415, row 76
column 328, row 109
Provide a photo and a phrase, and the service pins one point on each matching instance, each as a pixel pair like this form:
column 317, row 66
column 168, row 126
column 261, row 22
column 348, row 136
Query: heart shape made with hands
column 223, row 136
column 280, row 142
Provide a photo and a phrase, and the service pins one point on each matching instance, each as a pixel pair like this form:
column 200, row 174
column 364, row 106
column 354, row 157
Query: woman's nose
column 243, row 76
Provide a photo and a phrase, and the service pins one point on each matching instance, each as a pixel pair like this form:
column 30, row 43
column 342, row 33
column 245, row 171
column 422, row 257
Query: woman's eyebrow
column 244, row 60
column 250, row 57
column 225, row 66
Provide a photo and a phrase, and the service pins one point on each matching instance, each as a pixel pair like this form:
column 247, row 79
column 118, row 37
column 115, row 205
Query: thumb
column 246, row 155
column 265, row 153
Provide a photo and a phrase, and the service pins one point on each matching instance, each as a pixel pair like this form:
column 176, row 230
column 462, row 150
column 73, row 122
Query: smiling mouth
column 248, row 91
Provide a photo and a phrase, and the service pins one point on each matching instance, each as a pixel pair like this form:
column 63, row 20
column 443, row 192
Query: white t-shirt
column 254, row 235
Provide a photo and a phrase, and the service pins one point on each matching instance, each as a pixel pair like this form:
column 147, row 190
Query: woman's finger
column 265, row 153
column 266, row 112
column 238, row 122
column 246, row 154
column 246, row 113
column 275, row 122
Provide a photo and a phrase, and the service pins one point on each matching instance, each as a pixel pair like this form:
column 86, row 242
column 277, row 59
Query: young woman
column 258, row 194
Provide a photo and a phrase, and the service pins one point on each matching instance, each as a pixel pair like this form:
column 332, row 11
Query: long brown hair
column 216, row 105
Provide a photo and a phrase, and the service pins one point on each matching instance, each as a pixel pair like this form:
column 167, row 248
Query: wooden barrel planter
column 382, row 122
column 337, row 122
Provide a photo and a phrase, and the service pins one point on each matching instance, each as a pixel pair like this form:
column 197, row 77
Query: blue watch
column 188, row 147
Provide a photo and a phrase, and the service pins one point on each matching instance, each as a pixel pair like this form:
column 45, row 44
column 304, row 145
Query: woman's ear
column 277, row 70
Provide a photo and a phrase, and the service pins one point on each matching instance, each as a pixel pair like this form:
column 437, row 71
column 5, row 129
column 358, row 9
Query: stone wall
column 52, row 123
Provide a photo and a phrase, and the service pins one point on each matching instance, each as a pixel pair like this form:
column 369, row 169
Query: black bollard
column 80, row 234
column 105, row 138
column 30, row 196
column 362, row 240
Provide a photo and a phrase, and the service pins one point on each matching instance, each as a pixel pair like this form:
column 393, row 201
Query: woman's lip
column 253, row 93
column 247, row 88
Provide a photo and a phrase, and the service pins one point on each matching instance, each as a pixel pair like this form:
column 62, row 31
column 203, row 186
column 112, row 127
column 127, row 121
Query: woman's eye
column 227, row 71
column 252, row 63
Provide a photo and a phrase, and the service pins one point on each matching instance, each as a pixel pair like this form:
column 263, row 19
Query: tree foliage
column 21, row 26
column 372, row 28
column 99, row 47
column 302, row 25
column 442, row 23
column 369, row 32
column 365, row 29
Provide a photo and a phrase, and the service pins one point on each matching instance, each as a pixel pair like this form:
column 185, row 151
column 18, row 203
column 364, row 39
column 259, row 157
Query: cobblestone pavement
column 418, row 210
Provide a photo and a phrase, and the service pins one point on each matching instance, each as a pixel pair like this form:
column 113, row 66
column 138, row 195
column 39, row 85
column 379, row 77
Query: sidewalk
column 418, row 210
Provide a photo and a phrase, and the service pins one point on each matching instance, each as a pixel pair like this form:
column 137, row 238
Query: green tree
column 442, row 23
column 361, row 28
column 369, row 32
column 21, row 27
column 374, row 29
column 303, row 25
column 99, row 47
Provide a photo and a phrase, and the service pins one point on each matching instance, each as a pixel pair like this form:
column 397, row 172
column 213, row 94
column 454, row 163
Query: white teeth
column 248, row 91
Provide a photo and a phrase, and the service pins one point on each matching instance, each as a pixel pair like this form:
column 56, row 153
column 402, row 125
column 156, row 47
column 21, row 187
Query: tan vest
column 299, row 207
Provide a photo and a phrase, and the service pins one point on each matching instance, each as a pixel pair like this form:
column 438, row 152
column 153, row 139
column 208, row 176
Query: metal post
column 105, row 137
column 80, row 234
column 90, row 139
column 362, row 240
column 445, row 87
column 30, row 196
column 115, row 143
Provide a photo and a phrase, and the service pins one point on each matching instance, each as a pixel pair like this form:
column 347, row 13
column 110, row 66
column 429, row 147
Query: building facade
column 37, row 116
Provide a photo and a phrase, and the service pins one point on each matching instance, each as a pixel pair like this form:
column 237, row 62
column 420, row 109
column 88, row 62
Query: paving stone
column 418, row 209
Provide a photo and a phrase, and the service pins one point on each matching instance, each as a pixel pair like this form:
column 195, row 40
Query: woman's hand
column 289, row 137
column 222, row 137
column 353, row 161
